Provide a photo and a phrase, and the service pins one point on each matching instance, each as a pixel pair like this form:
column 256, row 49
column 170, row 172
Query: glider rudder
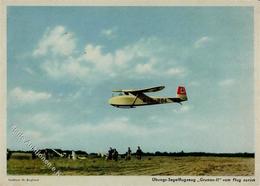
column 181, row 93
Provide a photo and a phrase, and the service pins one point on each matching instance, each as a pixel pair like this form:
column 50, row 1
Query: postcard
column 126, row 93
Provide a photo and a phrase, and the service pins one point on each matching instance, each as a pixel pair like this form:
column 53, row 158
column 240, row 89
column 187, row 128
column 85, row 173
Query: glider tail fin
column 181, row 93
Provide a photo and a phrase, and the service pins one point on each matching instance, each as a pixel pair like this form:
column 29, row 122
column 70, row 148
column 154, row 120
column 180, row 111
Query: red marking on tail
column 181, row 90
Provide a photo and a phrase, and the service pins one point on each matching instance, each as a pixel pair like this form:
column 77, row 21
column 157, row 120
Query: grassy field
column 156, row 165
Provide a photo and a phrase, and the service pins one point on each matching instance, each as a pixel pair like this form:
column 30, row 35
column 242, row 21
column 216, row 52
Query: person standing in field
column 110, row 152
column 128, row 154
column 139, row 153
column 115, row 155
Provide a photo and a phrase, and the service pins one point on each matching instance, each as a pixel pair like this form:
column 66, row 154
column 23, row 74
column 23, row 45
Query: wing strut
column 135, row 99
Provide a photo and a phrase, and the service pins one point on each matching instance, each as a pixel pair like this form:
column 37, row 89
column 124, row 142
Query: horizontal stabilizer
column 177, row 100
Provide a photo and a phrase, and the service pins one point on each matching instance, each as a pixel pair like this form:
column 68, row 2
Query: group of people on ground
column 113, row 154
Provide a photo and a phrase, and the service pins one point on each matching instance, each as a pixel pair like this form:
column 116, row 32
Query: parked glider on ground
column 133, row 98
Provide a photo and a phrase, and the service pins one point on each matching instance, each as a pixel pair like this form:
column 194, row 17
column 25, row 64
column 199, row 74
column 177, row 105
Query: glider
column 132, row 98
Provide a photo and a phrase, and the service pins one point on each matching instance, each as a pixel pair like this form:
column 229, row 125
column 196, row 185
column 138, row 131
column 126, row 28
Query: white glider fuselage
column 133, row 101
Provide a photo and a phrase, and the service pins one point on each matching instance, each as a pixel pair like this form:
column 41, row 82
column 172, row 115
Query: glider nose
column 110, row 101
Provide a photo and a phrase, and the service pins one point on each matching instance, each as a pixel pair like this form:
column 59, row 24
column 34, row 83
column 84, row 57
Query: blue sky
column 63, row 63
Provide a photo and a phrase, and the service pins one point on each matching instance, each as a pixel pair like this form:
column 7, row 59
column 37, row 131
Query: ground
column 155, row 165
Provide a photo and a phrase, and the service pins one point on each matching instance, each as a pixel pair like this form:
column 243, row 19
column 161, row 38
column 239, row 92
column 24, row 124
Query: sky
column 63, row 63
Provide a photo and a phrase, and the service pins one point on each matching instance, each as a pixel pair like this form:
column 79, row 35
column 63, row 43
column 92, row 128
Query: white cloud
column 28, row 96
column 109, row 33
column 41, row 127
column 144, row 68
column 122, row 57
column 140, row 57
column 54, row 123
column 116, row 126
column 33, row 134
column 42, row 118
column 226, row 82
column 28, row 70
column 41, row 122
column 103, row 62
column 96, row 62
column 201, row 42
column 71, row 68
column 176, row 71
column 183, row 109
column 57, row 41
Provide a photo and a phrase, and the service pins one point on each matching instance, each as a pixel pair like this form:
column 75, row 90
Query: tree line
column 158, row 153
